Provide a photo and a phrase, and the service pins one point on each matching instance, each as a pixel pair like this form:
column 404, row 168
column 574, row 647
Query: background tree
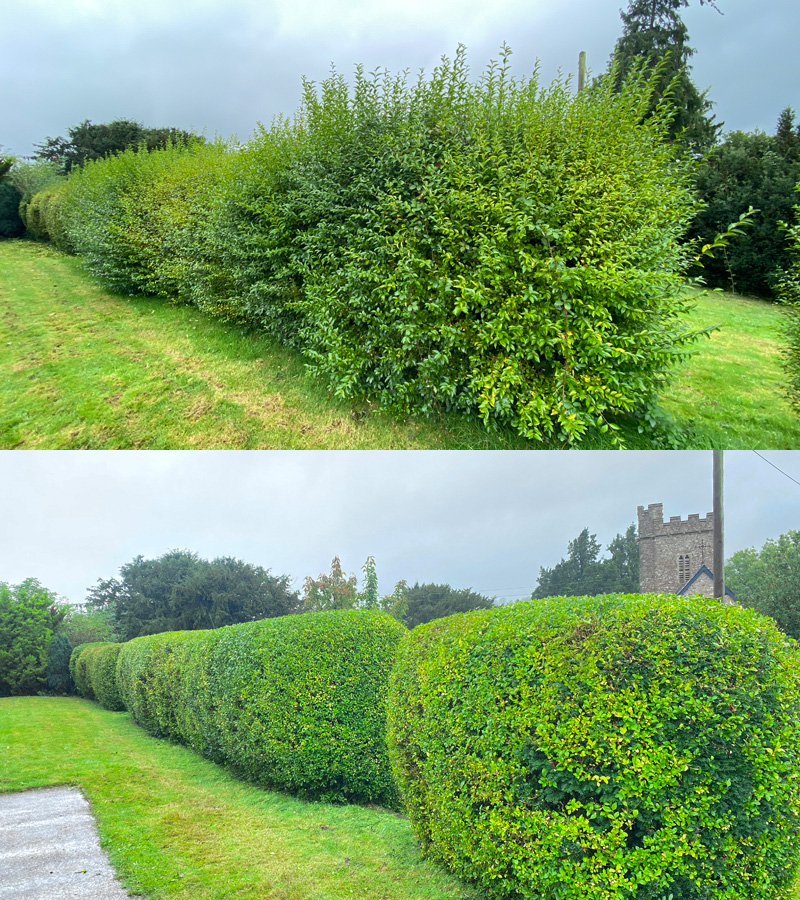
column 584, row 574
column 87, row 141
column 29, row 615
column 768, row 580
column 84, row 625
column 435, row 601
column 332, row 591
column 10, row 221
column 59, row 651
column 180, row 591
column 750, row 169
column 654, row 35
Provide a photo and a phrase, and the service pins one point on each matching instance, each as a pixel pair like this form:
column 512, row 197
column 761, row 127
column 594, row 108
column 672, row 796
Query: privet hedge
column 296, row 703
column 93, row 669
column 492, row 246
column 603, row 748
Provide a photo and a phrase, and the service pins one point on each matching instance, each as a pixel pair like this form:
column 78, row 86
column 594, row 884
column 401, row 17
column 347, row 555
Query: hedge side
column 296, row 703
column 492, row 246
column 93, row 668
column 78, row 669
column 603, row 748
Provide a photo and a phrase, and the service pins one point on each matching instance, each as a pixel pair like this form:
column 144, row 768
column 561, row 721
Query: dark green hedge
column 603, row 748
column 296, row 703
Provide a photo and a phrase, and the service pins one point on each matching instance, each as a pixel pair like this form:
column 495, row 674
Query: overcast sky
column 486, row 520
column 222, row 66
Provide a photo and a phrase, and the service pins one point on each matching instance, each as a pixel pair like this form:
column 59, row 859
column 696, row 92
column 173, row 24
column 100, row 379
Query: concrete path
column 49, row 849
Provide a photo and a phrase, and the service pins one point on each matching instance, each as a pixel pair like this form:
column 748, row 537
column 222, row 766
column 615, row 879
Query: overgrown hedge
column 296, row 703
column 603, row 748
column 789, row 291
column 496, row 247
column 93, row 669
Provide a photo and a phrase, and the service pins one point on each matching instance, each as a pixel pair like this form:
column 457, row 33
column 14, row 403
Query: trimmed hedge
column 93, row 668
column 603, row 748
column 78, row 669
column 296, row 703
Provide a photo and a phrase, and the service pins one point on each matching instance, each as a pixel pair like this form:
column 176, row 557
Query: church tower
column 673, row 553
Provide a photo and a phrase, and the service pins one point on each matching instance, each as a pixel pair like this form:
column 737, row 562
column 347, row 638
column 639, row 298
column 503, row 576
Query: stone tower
column 670, row 553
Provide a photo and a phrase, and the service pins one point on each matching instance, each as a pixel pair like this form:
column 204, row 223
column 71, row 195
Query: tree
column 29, row 615
column 427, row 602
column 654, row 35
column 333, row 591
column 59, row 651
column 583, row 573
column 748, row 169
column 181, row 591
column 787, row 135
column 84, row 625
column 338, row 591
column 769, row 580
column 87, row 141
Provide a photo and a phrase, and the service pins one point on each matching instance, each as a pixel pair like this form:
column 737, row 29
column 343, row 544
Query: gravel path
column 49, row 849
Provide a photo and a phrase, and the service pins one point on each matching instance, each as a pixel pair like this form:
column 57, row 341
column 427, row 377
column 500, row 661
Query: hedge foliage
column 93, row 669
column 492, row 246
column 789, row 291
column 296, row 703
column 604, row 748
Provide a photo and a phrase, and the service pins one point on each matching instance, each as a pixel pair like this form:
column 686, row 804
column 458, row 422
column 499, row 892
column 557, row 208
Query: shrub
column 499, row 248
column 603, row 748
column 790, row 295
column 10, row 222
column 495, row 247
column 295, row 703
column 59, row 651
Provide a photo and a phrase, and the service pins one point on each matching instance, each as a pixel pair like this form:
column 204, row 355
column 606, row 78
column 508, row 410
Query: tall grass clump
column 601, row 748
column 497, row 247
column 296, row 703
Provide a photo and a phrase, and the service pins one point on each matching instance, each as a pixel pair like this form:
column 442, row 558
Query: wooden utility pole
column 719, row 528
column 581, row 70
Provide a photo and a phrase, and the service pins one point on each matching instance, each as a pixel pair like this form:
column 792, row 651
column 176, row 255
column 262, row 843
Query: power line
column 776, row 467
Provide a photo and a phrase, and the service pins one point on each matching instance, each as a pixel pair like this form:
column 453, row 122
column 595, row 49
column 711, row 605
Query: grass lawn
column 86, row 369
column 176, row 825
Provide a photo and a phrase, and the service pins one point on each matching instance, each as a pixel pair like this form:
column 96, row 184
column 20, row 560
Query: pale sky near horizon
column 485, row 520
column 222, row 66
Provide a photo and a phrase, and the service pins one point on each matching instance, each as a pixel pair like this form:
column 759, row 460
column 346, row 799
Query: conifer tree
column 654, row 34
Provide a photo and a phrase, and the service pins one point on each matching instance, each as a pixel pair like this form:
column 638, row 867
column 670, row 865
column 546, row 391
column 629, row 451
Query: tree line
column 180, row 591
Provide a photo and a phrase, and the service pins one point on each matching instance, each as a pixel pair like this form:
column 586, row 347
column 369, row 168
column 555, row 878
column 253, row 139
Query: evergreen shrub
column 602, row 748
column 59, row 651
column 296, row 703
column 11, row 225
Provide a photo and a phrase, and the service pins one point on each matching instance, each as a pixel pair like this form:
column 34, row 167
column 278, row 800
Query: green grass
column 176, row 825
column 86, row 369
column 732, row 393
